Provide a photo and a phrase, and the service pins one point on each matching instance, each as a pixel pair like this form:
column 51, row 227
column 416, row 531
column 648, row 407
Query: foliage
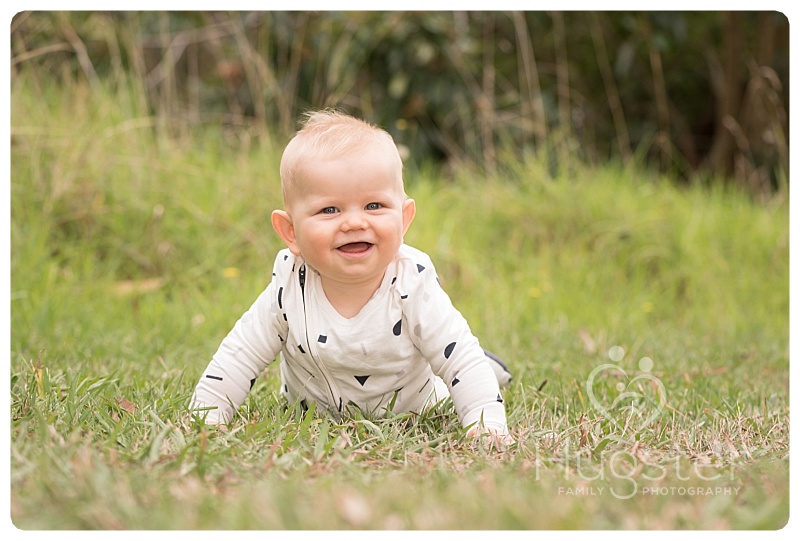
column 695, row 94
column 133, row 253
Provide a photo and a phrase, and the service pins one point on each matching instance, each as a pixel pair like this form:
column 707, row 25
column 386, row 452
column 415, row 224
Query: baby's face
column 349, row 216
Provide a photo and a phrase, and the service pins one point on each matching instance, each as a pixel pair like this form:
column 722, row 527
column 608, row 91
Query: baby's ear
column 409, row 211
column 283, row 226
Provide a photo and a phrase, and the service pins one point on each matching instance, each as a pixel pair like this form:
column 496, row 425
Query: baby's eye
column 373, row 206
column 328, row 210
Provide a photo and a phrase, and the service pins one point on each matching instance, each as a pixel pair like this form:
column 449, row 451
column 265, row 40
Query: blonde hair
column 329, row 134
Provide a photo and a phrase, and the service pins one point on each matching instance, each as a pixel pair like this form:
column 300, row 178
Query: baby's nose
column 353, row 220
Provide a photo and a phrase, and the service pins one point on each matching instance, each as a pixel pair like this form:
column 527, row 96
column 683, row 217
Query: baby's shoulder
column 414, row 265
column 286, row 263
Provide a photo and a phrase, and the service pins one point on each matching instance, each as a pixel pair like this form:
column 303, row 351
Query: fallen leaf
column 127, row 405
column 589, row 345
column 130, row 287
column 39, row 376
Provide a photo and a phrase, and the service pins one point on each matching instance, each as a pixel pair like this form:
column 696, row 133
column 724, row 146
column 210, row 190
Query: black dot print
column 420, row 268
column 322, row 339
column 397, row 328
column 455, row 382
column 449, row 350
column 361, row 379
column 499, row 398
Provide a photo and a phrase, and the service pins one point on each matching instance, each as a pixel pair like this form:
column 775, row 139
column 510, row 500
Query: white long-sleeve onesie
column 385, row 357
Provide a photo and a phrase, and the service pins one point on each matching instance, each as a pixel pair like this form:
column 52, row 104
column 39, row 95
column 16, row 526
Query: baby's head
column 331, row 135
column 345, row 209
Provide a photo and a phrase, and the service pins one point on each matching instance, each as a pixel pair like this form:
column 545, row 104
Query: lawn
column 646, row 323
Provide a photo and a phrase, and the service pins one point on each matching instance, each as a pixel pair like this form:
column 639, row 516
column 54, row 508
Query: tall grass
column 134, row 251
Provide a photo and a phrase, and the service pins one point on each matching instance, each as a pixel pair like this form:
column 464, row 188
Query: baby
column 359, row 317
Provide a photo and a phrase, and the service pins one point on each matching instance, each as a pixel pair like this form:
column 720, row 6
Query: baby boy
column 358, row 317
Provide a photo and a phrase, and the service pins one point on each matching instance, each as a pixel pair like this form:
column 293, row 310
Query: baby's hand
column 498, row 437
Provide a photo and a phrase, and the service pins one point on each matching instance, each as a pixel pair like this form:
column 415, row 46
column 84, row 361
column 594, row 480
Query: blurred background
column 695, row 95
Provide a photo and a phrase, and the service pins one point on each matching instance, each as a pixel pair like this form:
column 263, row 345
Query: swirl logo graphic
column 636, row 401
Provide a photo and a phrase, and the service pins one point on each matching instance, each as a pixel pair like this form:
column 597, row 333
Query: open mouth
column 355, row 247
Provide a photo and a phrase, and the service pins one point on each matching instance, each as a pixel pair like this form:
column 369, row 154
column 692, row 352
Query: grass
column 133, row 253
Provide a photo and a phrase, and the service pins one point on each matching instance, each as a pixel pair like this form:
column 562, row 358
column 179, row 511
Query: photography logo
column 630, row 401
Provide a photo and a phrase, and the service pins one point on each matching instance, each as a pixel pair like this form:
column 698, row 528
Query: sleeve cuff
column 489, row 416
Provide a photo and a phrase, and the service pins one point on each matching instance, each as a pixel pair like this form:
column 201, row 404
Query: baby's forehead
column 372, row 157
column 313, row 170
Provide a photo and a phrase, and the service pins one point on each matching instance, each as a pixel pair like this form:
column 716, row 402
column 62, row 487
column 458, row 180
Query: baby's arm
column 455, row 355
column 251, row 345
